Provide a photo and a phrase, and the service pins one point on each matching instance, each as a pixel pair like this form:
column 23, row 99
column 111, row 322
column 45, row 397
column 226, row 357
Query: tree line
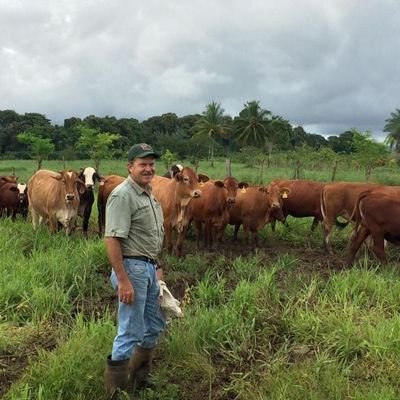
column 207, row 135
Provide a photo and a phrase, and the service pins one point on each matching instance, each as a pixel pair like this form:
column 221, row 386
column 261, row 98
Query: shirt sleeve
column 118, row 216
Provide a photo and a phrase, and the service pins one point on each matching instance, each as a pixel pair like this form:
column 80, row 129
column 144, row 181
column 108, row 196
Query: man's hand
column 160, row 270
column 126, row 292
column 160, row 273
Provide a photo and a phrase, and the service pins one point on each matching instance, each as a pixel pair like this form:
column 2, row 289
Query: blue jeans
column 141, row 322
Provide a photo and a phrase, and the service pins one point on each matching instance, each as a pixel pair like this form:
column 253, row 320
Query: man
column 133, row 237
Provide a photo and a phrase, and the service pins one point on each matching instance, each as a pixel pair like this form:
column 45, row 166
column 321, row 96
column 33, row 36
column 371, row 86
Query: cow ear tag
column 101, row 183
column 284, row 195
column 243, row 190
column 201, row 184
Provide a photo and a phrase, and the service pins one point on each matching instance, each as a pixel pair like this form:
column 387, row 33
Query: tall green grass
column 46, row 276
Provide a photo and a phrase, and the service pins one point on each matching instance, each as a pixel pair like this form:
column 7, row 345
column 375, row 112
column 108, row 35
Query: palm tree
column 392, row 126
column 252, row 124
column 212, row 124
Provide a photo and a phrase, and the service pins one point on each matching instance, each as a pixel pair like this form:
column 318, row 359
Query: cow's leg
column 53, row 224
column 71, row 225
column 179, row 241
column 327, row 230
column 101, row 218
column 168, row 238
column 99, row 224
column 354, row 232
column 35, row 218
column 86, row 218
column 355, row 243
column 208, row 235
column 235, row 232
column 379, row 246
column 220, row 234
column 255, row 238
column 199, row 233
column 273, row 224
column 246, row 234
column 314, row 224
column 211, row 235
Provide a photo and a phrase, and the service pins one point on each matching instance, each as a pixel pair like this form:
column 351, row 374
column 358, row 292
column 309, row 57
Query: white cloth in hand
column 169, row 304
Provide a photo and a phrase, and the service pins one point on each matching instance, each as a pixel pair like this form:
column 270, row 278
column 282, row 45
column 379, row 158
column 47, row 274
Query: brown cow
column 304, row 200
column 253, row 208
column 54, row 196
column 210, row 211
column 339, row 199
column 9, row 199
column 3, row 180
column 175, row 195
column 106, row 186
column 376, row 214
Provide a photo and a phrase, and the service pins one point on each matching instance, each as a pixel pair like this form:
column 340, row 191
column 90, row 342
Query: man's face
column 142, row 170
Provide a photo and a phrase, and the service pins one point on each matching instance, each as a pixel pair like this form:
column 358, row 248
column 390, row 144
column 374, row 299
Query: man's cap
column 141, row 150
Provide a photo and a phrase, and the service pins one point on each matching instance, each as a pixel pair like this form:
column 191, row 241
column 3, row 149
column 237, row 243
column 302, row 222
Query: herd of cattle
column 57, row 197
column 187, row 197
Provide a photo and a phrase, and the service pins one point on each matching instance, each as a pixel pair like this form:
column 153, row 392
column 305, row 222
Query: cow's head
column 274, row 195
column 69, row 180
column 22, row 192
column 231, row 185
column 8, row 179
column 89, row 176
column 188, row 183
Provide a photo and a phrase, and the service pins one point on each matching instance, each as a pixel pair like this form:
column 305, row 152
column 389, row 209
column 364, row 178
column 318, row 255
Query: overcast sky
column 326, row 65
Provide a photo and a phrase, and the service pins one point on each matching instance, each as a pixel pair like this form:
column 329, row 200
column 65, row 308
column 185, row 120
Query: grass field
column 283, row 322
column 387, row 175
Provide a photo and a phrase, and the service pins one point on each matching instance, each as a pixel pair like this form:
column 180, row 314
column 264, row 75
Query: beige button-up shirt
column 135, row 217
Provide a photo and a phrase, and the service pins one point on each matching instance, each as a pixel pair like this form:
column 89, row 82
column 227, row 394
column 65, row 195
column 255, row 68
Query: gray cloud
column 328, row 66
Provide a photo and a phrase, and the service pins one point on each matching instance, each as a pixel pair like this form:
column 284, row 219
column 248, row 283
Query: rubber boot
column 116, row 376
column 139, row 368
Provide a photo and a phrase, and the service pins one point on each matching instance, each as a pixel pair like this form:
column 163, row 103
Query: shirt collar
column 138, row 188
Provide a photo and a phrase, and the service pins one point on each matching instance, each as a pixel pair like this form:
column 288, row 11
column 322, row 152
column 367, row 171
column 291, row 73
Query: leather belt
column 142, row 258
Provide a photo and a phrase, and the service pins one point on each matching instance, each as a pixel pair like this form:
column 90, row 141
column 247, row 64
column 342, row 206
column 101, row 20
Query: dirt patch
column 14, row 362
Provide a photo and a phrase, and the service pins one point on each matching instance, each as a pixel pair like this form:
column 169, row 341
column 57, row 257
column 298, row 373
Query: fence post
column 228, row 167
column 334, row 171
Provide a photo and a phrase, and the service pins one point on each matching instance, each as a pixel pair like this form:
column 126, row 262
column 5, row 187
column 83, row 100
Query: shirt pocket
column 143, row 216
